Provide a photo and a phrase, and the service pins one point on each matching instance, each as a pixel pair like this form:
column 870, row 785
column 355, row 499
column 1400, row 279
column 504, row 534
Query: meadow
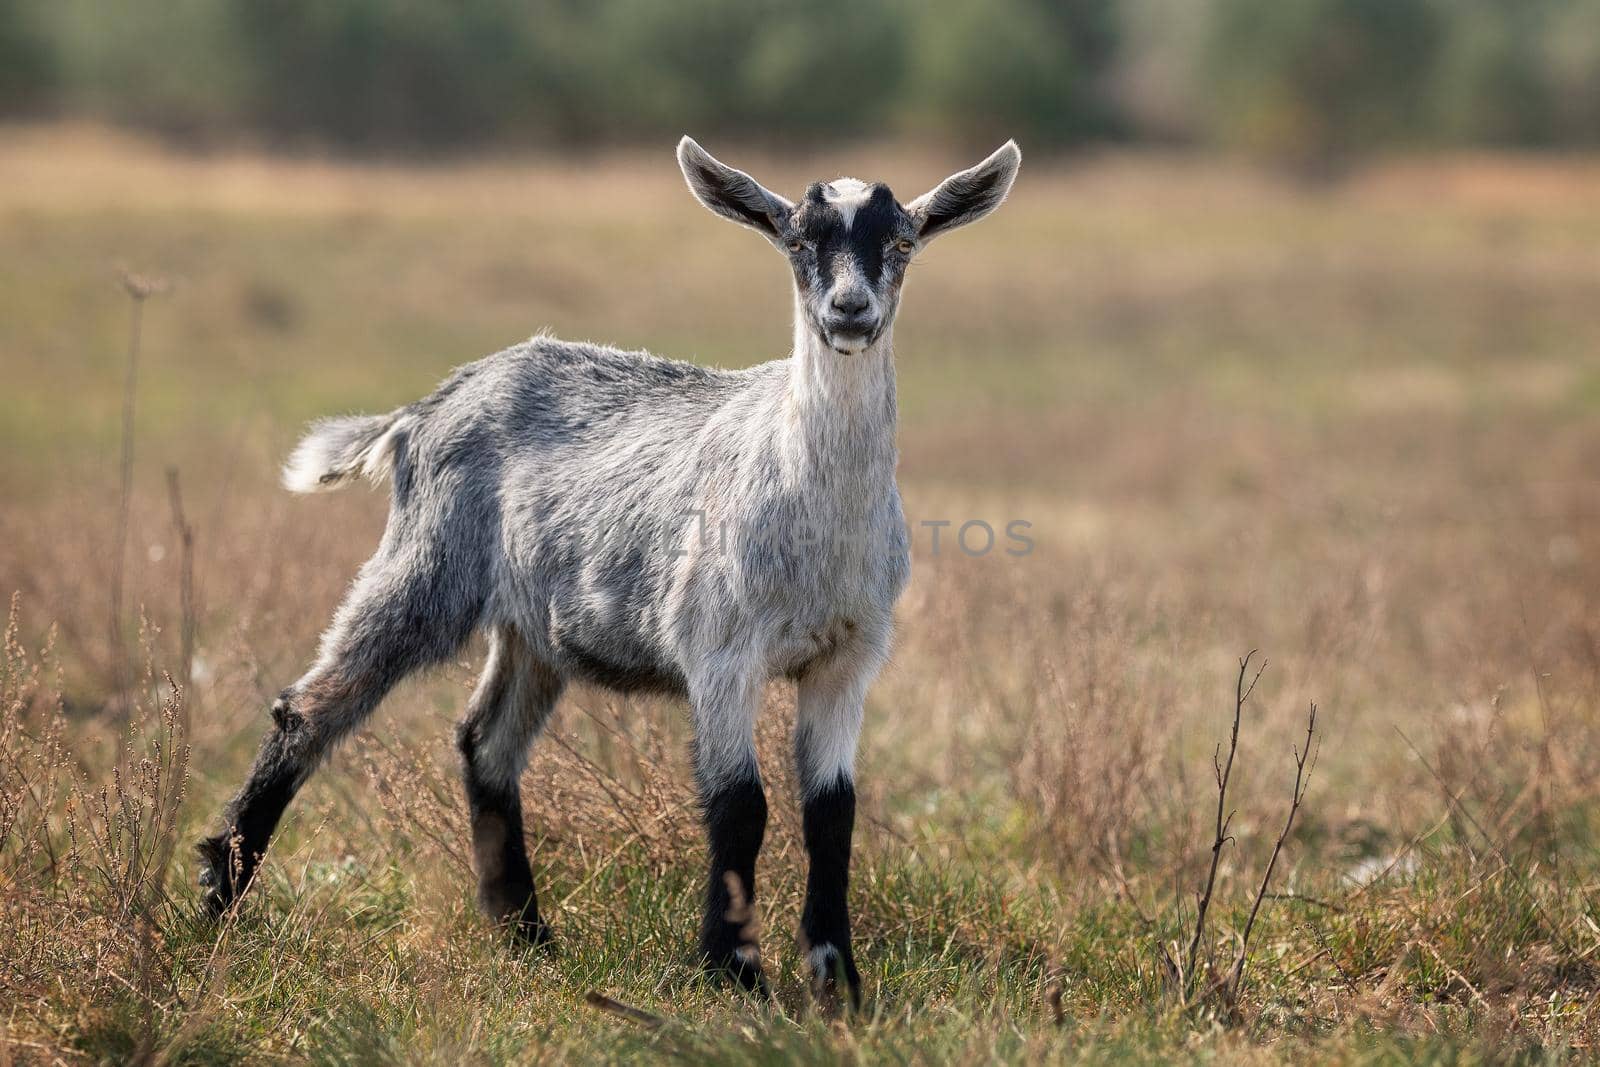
column 1354, row 426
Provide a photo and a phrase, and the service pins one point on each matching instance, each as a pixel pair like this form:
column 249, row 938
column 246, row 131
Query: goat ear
column 968, row 195
column 733, row 194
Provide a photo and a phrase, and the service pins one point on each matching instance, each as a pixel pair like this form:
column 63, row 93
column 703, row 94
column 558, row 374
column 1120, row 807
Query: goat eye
column 797, row 245
column 905, row 246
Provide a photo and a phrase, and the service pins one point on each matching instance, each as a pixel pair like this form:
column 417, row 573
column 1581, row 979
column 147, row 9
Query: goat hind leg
column 513, row 701
column 373, row 643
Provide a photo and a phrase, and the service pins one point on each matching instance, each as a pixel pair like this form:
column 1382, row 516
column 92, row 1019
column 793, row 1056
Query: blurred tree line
column 1301, row 80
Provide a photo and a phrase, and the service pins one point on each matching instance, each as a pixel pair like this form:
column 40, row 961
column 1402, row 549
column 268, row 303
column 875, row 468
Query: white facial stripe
column 847, row 196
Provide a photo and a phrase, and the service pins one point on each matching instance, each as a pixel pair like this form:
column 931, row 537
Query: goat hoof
column 217, row 875
column 512, row 908
column 214, row 905
column 834, row 978
column 530, row 933
column 742, row 967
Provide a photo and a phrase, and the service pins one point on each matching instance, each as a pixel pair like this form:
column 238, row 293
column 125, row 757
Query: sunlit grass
column 1352, row 425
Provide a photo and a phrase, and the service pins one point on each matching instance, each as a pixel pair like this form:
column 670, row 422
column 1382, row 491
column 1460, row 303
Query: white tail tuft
column 338, row 449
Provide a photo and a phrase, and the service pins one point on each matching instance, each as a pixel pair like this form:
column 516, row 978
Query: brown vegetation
column 1354, row 427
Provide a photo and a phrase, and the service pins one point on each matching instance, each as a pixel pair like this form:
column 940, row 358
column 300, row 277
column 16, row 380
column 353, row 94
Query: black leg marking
column 228, row 860
column 406, row 610
column 514, row 698
column 736, row 822
column 829, row 819
column 505, row 879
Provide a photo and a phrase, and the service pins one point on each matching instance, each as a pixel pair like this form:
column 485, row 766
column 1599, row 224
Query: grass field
column 1354, row 426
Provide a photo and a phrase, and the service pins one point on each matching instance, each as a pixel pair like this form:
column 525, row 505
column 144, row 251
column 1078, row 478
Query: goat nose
column 850, row 302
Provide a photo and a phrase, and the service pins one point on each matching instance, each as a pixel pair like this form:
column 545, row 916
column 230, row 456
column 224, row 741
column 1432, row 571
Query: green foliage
column 27, row 64
column 1310, row 81
column 826, row 66
column 374, row 72
column 1524, row 74
column 1488, row 84
column 1314, row 80
column 1319, row 80
column 1015, row 65
column 1572, row 65
column 633, row 68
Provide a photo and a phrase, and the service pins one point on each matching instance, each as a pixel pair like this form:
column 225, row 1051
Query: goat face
column 849, row 242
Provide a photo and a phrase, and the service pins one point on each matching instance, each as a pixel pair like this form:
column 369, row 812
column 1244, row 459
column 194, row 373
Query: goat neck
column 840, row 411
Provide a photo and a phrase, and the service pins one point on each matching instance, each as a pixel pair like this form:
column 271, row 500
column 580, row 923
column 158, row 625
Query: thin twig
column 1304, row 762
column 139, row 289
column 186, row 598
column 1316, row 902
column 1053, row 997
column 119, row 546
column 1308, row 961
column 596, row 999
column 1224, row 772
column 1457, row 976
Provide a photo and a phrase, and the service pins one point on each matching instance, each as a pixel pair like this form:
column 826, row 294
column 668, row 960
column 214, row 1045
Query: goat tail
column 338, row 449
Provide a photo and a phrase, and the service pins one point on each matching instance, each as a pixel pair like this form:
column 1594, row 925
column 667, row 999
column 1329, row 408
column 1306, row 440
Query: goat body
column 629, row 515
column 643, row 524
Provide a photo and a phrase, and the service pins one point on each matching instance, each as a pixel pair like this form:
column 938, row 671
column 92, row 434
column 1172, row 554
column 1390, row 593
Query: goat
column 561, row 498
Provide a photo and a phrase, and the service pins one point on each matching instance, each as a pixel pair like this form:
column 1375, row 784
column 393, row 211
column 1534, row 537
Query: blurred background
column 1288, row 337
column 1308, row 81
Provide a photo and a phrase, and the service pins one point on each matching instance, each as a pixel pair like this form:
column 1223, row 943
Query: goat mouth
column 849, row 342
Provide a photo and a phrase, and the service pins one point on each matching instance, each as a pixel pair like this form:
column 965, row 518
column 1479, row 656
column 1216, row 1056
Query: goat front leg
column 827, row 727
column 735, row 810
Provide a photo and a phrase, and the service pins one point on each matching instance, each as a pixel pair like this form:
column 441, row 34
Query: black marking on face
column 878, row 222
column 829, row 236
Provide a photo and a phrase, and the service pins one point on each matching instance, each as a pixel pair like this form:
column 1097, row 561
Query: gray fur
column 338, row 449
column 642, row 523
column 967, row 195
column 557, row 489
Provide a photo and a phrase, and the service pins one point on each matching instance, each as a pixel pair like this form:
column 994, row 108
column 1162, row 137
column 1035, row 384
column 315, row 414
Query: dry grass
column 1352, row 426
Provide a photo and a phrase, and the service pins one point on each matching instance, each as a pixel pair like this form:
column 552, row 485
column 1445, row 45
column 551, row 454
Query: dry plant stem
column 1052, row 995
column 1541, row 786
column 1304, row 762
column 186, row 595
column 1520, row 874
column 1224, row 771
column 139, row 289
column 119, row 548
column 596, row 999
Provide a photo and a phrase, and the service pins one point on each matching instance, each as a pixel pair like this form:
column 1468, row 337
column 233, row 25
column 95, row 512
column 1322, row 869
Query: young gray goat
column 646, row 525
